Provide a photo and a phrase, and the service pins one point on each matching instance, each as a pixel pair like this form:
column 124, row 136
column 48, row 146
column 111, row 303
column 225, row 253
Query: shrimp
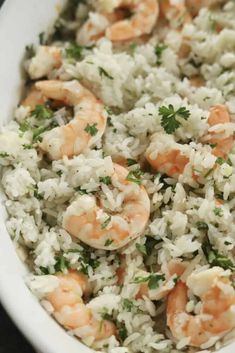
column 166, row 156
column 145, row 14
column 216, row 316
column 72, row 313
column 84, row 130
column 174, row 268
column 46, row 59
column 175, row 13
column 222, row 145
column 195, row 6
column 94, row 29
column 86, row 220
column 34, row 98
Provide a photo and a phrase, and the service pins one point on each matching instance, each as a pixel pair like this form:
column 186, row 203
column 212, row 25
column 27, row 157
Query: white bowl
column 20, row 23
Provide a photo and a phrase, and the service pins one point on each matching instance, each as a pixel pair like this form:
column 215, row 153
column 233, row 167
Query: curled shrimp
column 219, row 115
column 86, row 220
column 166, row 156
column 34, row 98
column 174, row 268
column 93, row 30
column 84, row 130
column 145, row 14
column 71, row 311
column 46, row 59
column 195, row 6
column 216, row 315
column 176, row 13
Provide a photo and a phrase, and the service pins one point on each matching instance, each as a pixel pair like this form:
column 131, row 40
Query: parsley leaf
column 202, row 226
column 61, row 264
column 127, row 305
column 105, row 224
column 153, row 280
column 218, row 211
column 74, row 52
column 122, row 331
column 91, row 129
column 131, row 162
column 168, row 117
column 214, row 258
column 4, row 154
column 102, row 72
column 108, row 242
column 141, row 249
column 42, row 38
column 42, row 112
column 159, row 48
column 29, row 51
column 134, row 176
column 106, row 180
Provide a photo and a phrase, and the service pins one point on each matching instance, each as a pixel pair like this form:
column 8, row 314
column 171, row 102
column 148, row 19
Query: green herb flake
column 61, row 264
column 218, row 211
column 27, row 146
column 155, row 280
column 106, row 223
column 74, row 52
column 4, row 154
column 42, row 38
column 168, row 117
column 91, row 129
column 202, row 226
column 150, row 244
column 29, row 51
column 134, row 176
column 80, row 191
column 133, row 47
column 141, row 248
column 127, row 305
column 214, row 258
column 42, row 112
column 122, row 331
column 131, row 162
column 108, row 242
column 106, row 180
column 103, row 72
column 158, row 50
column 220, row 161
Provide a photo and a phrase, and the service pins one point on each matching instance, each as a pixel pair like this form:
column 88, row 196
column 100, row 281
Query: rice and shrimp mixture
column 119, row 174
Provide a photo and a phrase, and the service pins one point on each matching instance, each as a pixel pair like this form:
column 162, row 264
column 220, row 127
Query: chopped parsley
column 141, row 248
column 218, row 211
column 29, row 51
column 168, row 117
column 158, row 50
column 61, row 264
column 91, row 129
column 214, row 258
column 134, row 176
column 127, row 305
column 103, row 72
column 106, row 180
column 202, row 225
column 108, row 242
column 108, row 110
column 42, row 38
column 86, row 259
column 131, row 162
column 27, row 146
column 4, row 154
column 153, row 280
column 80, row 191
column 122, row 331
column 106, row 223
column 220, row 161
column 150, row 244
column 133, row 47
column 42, row 112
column 74, row 52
